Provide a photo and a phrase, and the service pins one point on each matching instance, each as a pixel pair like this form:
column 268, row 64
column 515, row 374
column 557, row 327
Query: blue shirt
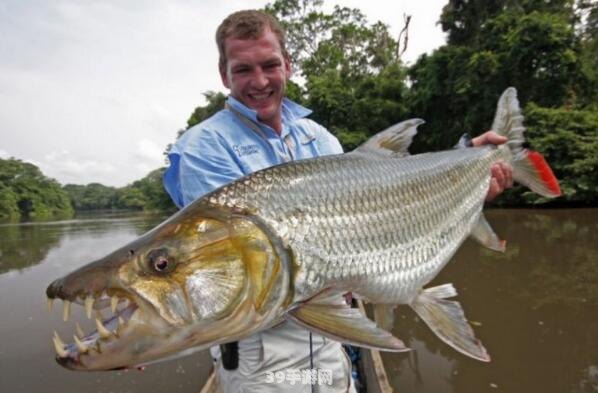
column 224, row 148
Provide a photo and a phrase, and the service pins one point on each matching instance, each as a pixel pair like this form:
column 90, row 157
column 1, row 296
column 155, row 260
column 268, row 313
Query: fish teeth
column 59, row 346
column 80, row 346
column 80, row 331
column 121, row 325
column 113, row 303
column 88, row 306
column 104, row 333
column 66, row 310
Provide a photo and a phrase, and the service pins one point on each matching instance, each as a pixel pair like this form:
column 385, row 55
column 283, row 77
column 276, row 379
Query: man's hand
column 502, row 173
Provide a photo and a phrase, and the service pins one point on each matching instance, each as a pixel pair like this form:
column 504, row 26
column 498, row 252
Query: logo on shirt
column 245, row 150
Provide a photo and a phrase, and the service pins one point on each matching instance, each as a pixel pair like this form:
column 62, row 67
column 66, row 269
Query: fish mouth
column 122, row 311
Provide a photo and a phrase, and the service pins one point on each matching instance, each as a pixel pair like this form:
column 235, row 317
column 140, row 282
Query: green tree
column 354, row 82
column 9, row 209
column 588, row 11
column 131, row 198
column 532, row 45
column 215, row 102
column 35, row 195
column 569, row 141
column 151, row 190
column 94, row 196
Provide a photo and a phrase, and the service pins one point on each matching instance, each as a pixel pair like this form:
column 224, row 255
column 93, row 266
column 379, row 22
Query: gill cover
column 210, row 262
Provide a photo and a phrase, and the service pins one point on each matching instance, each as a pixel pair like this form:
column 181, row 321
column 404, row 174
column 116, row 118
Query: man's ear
column 224, row 76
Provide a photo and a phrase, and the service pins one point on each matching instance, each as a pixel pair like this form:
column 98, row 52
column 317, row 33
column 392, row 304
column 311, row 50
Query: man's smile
column 261, row 96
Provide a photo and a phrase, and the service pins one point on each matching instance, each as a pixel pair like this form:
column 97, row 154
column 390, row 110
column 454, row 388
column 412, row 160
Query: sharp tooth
column 80, row 331
column 80, row 346
column 104, row 333
column 57, row 338
column 50, row 303
column 121, row 322
column 113, row 303
column 66, row 310
column 59, row 347
column 88, row 306
column 125, row 303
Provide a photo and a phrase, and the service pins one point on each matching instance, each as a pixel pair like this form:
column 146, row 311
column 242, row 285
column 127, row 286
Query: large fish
column 287, row 242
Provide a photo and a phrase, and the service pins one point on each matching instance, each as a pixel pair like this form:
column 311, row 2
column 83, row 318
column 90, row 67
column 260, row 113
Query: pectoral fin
column 447, row 320
column 343, row 323
column 483, row 233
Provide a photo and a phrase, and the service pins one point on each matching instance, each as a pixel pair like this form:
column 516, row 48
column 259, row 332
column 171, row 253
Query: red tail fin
column 534, row 172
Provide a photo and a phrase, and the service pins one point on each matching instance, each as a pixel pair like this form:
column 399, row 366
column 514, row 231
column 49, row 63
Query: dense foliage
column 543, row 48
column 26, row 193
column 569, row 142
column 146, row 194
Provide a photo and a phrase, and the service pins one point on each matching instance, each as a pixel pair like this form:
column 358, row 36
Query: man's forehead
column 267, row 43
column 265, row 33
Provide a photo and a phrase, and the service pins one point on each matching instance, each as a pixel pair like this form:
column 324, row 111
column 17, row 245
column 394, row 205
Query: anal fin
column 343, row 323
column 483, row 233
column 447, row 321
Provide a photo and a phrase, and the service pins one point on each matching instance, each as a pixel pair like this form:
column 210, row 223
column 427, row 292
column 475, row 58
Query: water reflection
column 535, row 308
column 27, row 244
column 24, row 246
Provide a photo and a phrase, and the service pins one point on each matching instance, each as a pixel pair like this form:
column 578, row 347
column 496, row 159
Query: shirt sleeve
column 198, row 166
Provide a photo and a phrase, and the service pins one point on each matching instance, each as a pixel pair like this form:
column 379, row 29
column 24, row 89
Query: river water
column 535, row 308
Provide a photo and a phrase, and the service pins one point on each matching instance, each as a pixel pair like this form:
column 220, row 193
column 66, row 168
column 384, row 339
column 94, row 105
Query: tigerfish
column 285, row 243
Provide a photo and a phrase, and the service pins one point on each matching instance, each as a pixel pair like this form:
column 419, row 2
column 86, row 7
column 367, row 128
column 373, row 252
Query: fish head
column 203, row 277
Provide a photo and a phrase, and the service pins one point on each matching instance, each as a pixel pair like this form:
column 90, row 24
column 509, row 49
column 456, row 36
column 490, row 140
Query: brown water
column 32, row 255
column 535, row 308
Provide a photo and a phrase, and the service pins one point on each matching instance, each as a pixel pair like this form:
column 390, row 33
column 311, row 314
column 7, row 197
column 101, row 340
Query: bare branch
column 405, row 30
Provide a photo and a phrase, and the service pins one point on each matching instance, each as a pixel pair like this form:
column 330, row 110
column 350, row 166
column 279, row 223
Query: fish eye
column 160, row 261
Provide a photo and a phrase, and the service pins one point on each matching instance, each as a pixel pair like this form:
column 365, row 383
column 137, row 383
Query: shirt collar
column 291, row 111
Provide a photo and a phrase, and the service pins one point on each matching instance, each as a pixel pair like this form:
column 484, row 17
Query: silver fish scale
column 379, row 226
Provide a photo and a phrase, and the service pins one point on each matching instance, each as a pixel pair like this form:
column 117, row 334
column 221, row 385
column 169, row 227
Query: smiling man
column 260, row 128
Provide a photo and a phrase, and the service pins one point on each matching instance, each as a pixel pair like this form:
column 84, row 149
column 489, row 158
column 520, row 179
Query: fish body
column 377, row 226
column 287, row 242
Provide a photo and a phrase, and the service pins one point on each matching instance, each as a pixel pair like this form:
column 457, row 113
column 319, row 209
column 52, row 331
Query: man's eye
column 241, row 70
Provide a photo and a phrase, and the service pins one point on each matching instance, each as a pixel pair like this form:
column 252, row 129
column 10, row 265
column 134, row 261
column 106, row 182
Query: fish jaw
column 203, row 277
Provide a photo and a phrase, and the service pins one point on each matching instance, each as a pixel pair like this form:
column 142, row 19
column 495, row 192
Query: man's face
column 256, row 73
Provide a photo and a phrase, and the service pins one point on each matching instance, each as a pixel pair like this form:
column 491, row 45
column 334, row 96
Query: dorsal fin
column 395, row 140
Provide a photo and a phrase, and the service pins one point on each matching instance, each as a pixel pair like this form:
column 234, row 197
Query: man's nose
column 259, row 79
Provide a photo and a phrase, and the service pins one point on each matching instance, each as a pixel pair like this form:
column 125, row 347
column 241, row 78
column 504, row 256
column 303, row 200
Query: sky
column 94, row 90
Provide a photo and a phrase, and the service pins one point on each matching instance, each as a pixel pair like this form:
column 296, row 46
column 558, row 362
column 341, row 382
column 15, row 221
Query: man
column 257, row 129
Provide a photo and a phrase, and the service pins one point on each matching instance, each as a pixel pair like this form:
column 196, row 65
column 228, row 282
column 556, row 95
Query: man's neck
column 275, row 124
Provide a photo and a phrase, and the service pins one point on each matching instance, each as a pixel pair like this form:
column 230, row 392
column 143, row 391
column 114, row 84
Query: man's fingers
column 493, row 190
column 507, row 171
column 501, row 178
column 489, row 138
column 498, row 174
